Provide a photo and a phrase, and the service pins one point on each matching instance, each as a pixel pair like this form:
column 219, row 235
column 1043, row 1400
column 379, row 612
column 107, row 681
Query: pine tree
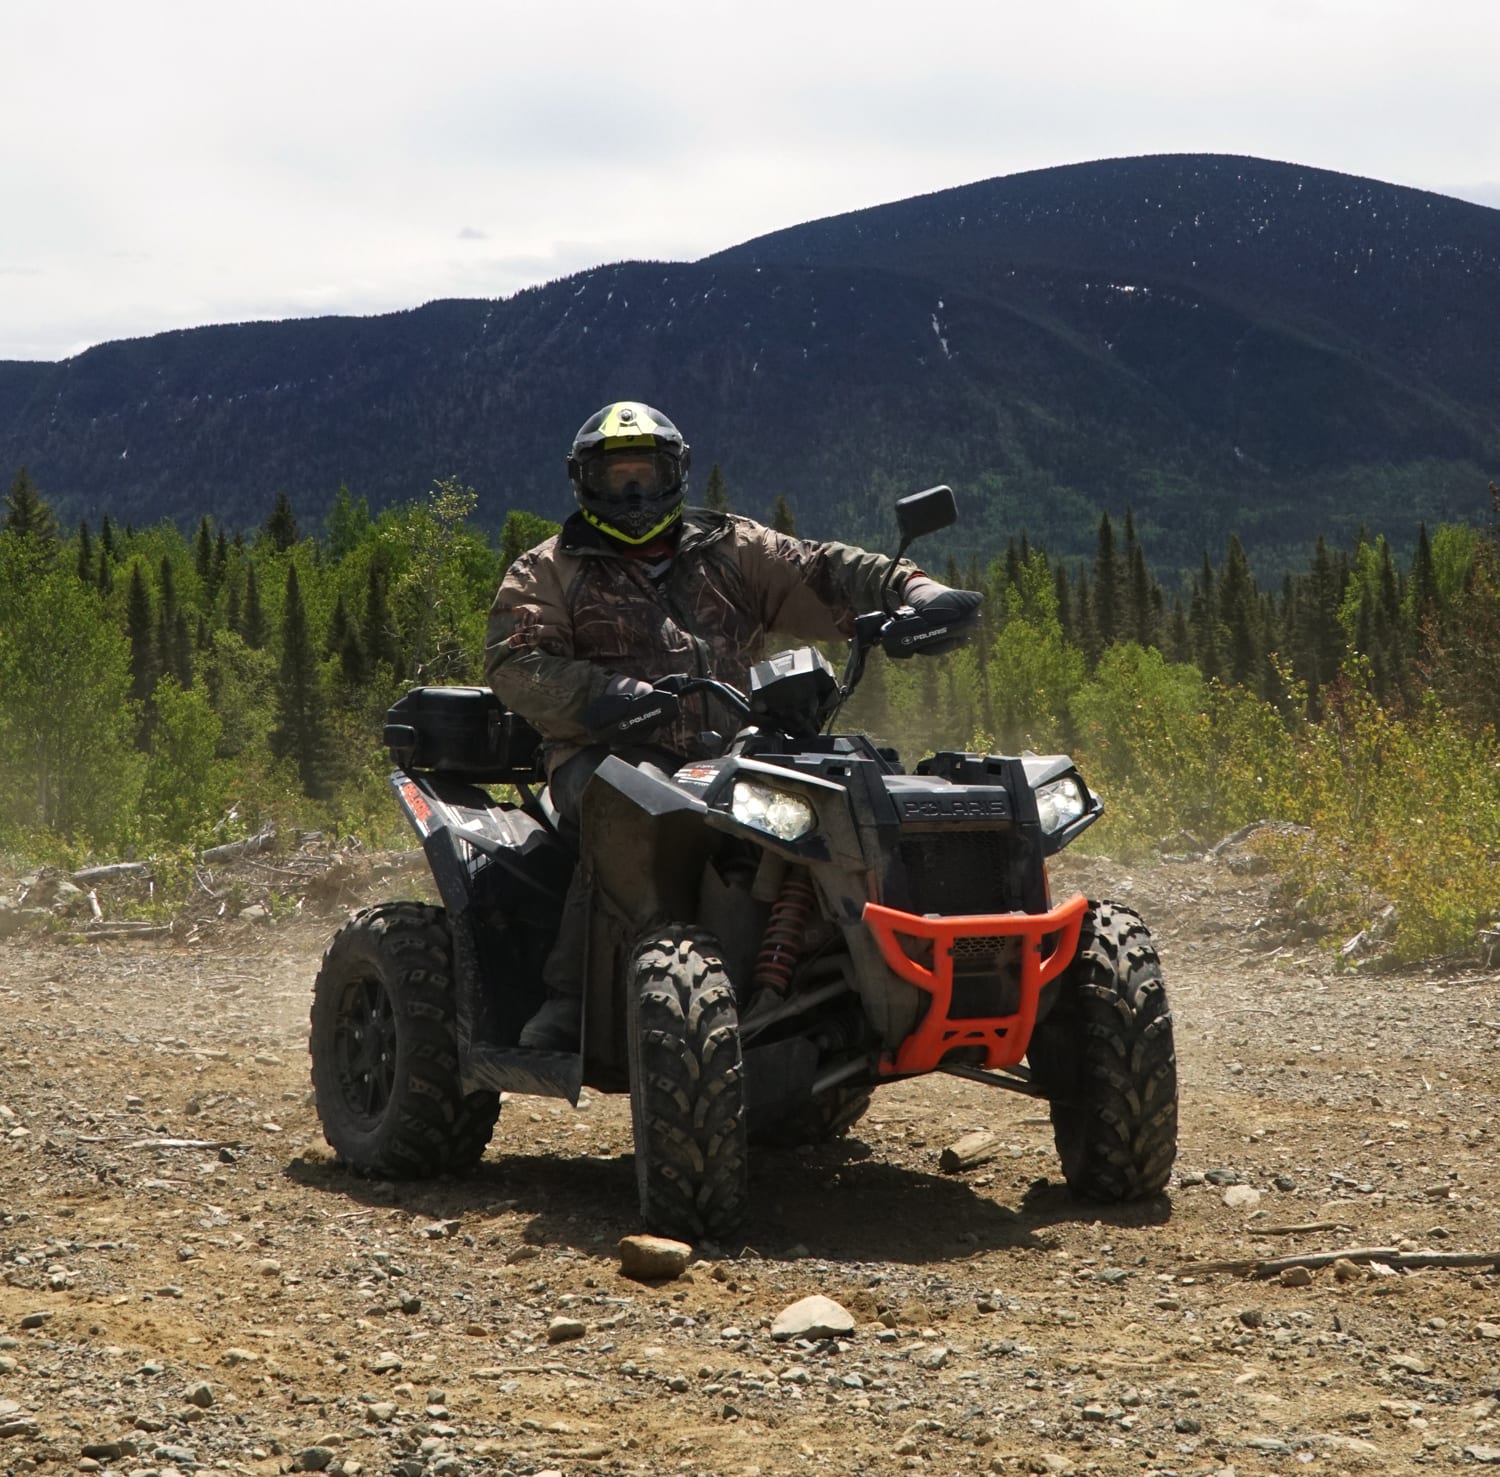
column 85, row 553
column 104, row 579
column 300, row 733
column 27, row 514
column 107, row 541
column 138, row 625
column 715, row 499
column 281, row 526
column 783, row 520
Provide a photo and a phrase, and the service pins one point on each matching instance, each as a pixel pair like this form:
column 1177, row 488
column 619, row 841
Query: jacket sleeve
column 812, row 590
column 528, row 650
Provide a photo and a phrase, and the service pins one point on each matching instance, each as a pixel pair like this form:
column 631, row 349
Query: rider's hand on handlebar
column 628, row 707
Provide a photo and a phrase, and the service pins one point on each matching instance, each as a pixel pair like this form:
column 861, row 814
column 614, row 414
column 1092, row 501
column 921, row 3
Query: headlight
column 775, row 812
column 1059, row 803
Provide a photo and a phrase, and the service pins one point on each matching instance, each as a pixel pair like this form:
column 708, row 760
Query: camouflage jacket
column 573, row 612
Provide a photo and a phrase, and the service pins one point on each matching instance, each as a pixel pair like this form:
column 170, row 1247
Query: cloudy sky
column 168, row 164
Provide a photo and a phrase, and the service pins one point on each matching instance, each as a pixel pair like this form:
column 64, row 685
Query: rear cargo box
column 463, row 732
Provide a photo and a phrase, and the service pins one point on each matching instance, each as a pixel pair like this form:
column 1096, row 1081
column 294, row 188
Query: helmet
column 628, row 467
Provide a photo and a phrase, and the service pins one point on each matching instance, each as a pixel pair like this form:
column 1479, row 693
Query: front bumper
column 1004, row 1038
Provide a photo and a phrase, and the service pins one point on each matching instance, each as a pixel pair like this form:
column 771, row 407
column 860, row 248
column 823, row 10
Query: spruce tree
column 1143, row 606
column 783, row 520
column 377, row 632
column 1238, row 608
column 104, row 577
column 233, row 618
column 1203, row 619
column 182, row 651
column 138, row 625
column 85, row 553
column 107, row 540
column 1106, row 602
column 27, row 514
column 166, row 615
column 203, row 558
column 253, row 625
column 715, row 499
column 301, row 729
column 220, row 570
column 281, row 526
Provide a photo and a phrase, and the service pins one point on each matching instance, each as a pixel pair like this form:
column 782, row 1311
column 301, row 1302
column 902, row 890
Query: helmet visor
column 631, row 474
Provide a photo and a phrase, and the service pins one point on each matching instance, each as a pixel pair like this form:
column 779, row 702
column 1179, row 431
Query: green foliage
column 67, row 721
column 1403, row 811
column 186, row 787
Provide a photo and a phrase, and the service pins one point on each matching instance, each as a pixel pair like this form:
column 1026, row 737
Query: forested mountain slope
column 1221, row 343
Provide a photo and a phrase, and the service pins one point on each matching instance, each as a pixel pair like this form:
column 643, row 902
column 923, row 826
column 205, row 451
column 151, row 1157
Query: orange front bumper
column 1003, row 1039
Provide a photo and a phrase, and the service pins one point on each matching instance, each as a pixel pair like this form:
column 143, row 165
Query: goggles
column 631, row 474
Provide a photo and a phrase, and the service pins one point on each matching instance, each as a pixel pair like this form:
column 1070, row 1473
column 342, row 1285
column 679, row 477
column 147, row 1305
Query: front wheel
column 1105, row 1055
column 385, row 1048
column 687, row 1094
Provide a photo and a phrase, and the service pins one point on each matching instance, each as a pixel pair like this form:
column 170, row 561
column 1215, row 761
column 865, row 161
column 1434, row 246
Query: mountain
column 1221, row 343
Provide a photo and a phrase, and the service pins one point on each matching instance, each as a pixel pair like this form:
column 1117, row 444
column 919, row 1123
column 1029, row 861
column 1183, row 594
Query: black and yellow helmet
column 628, row 467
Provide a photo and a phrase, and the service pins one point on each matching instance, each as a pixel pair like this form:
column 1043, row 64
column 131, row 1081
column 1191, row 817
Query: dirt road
column 188, row 1282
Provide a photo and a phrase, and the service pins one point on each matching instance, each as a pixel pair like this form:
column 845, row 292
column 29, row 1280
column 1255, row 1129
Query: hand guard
column 628, row 708
column 939, row 619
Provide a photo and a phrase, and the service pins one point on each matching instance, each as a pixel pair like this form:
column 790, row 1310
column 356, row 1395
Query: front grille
column 986, row 977
column 955, row 871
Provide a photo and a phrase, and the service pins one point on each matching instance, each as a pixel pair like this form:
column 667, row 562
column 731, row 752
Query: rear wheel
column 385, row 1048
column 686, row 1087
column 1106, row 1056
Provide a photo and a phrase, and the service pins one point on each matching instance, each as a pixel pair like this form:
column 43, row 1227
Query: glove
column 628, row 707
column 936, row 603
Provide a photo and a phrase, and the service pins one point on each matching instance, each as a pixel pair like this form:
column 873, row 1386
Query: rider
column 637, row 588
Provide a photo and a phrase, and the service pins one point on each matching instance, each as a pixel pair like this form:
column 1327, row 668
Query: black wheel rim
column 367, row 1047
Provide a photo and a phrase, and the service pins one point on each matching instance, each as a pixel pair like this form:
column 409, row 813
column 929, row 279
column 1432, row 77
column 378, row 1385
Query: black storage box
column 463, row 732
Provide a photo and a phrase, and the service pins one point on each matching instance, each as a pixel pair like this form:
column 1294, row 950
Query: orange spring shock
column 785, row 929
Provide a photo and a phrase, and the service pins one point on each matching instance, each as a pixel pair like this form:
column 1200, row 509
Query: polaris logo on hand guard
column 918, row 637
column 640, row 718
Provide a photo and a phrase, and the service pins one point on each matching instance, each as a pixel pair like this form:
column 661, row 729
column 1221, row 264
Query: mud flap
column 778, row 1080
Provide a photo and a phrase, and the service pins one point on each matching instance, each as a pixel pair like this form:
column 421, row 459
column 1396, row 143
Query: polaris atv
column 783, row 926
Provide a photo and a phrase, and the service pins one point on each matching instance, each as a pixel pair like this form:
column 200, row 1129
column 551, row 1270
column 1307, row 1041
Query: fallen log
column 233, row 850
column 114, row 869
column 1391, row 1256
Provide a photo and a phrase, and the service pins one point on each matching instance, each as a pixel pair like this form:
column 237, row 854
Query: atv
column 781, row 927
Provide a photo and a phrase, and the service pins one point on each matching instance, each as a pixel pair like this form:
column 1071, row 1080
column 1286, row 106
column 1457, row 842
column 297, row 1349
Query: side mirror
column 925, row 512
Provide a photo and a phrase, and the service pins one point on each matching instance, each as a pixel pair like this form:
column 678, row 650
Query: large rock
column 653, row 1258
column 815, row 1317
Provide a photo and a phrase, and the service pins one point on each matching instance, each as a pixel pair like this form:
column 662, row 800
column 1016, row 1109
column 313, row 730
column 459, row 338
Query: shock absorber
column 785, row 929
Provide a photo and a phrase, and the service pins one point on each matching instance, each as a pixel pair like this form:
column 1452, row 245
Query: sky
column 169, row 164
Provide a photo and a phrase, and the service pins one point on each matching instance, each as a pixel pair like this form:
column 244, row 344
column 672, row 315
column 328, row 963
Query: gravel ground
column 188, row 1282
